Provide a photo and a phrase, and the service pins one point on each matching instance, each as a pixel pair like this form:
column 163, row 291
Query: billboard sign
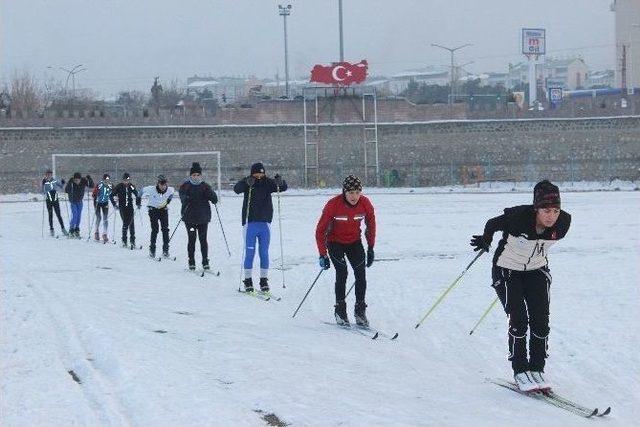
column 533, row 41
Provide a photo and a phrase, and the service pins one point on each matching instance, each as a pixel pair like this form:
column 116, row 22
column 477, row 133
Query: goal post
column 144, row 167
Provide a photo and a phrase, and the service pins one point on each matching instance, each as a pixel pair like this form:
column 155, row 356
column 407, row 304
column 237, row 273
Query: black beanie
column 126, row 176
column 257, row 168
column 162, row 179
column 352, row 183
column 195, row 168
column 546, row 194
column 105, row 176
column 77, row 175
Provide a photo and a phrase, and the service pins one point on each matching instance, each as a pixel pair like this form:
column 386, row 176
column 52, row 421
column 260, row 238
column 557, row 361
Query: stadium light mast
column 451, row 50
column 340, row 30
column 285, row 11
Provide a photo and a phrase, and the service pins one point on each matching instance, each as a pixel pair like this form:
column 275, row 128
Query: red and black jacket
column 340, row 222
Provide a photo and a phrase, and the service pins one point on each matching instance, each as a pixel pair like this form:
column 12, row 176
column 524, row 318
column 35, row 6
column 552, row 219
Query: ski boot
column 264, row 284
column 341, row 314
column 51, row 232
column 64, row 232
column 105, row 238
column 132, row 246
column 124, row 244
column 205, row 264
column 248, row 284
column 192, row 264
column 524, row 382
column 96, row 236
column 152, row 252
column 165, row 254
column 540, row 380
column 360, row 314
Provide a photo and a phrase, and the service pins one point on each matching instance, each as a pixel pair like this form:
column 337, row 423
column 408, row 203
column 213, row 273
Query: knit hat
column 77, row 175
column 257, row 168
column 162, row 179
column 48, row 171
column 546, row 194
column 106, row 176
column 351, row 183
column 126, row 176
column 195, row 168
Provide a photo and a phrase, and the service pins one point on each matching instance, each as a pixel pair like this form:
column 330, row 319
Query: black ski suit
column 521, row 278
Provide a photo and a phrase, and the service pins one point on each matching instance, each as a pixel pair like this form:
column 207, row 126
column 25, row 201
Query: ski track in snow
column 155, row 345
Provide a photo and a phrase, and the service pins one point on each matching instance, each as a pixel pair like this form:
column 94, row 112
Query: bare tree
column 25, row 94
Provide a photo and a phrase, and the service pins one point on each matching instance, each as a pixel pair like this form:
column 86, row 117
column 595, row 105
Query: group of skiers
column 520, row 272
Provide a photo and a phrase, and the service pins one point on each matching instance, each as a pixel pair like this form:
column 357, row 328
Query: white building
column 569, row 74
column 627, row 17
column 429, row 76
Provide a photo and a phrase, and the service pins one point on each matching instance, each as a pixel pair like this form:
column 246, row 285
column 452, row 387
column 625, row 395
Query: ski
column 160, row 258
column 211, row 272
column 356, row 330
column 550, row 397
column 270, row 295
column 258, row 295
column 553, row 395
column 380, row 333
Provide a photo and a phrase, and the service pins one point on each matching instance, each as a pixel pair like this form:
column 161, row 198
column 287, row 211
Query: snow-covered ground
column 154, row 345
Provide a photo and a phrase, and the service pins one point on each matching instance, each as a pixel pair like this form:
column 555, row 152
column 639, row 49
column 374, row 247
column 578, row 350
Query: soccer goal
column 143, row 167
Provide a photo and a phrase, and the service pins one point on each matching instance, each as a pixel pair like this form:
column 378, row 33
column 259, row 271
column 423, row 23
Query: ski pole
column 42, row 228
column 244, row 235
column 174, row 230
column 115, row 219
column 455, row 282
column 222, row 228
column 307, row 294
column 349, row 291
column 280, row 231
column 484, row 315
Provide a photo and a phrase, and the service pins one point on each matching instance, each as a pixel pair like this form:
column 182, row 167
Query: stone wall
column 411, row 154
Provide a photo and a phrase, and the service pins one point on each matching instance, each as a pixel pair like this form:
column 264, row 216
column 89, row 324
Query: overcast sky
column 123, row 44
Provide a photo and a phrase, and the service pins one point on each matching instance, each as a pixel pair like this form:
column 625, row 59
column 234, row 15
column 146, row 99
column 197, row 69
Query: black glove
column 278, row 180
column 370, row 256
column 324, row 262
column 480, row 243
column 250, row 180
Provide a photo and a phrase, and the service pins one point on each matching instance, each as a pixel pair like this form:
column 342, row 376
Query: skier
column 76, row 188
column 101, row 196
column 257, row 189
column 160, row 196
column 49, row 185
column 125, row 191
column 521, row 277
column 195, row 195
column 338, row 234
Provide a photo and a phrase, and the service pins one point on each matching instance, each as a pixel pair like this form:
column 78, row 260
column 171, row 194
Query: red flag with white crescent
column 340, row 73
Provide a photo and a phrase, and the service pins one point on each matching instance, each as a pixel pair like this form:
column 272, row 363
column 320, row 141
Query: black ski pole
column 174, row 230
column 44, row 202
column 280, row 231
column 222, row 228
column 307, row 294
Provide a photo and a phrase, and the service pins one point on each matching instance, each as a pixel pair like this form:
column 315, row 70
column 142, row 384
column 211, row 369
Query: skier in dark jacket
column 125, row 191
column 257, row 189
column 75, row 188
column 50, row 184
column 521, row 277
column 195, row 195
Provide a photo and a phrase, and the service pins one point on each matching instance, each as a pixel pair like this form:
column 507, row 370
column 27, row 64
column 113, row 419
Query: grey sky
column 124, row 43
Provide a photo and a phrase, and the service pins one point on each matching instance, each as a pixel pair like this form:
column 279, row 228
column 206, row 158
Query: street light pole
column 451, row 51
column 72, row 73
column 284, row 12
column 340, row 29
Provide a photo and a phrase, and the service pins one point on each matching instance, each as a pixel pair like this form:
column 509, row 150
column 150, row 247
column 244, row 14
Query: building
column 602, row 79
column 569, row 74
column 627, row 18
column 429, row 76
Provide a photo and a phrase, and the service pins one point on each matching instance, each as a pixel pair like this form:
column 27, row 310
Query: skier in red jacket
column 338, row 234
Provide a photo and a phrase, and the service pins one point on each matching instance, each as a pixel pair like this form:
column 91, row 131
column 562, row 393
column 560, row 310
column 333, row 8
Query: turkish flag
column 340, row 73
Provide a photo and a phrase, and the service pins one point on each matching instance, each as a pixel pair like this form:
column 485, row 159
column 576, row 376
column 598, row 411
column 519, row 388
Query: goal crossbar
column 121, row 155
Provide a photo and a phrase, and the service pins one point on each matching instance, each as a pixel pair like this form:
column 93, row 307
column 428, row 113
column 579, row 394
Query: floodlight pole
column 451, row 51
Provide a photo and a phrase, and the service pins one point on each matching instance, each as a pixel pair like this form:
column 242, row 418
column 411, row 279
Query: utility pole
column 340, row 29
column 285, row 11
column 453, row 79
column 72, row 73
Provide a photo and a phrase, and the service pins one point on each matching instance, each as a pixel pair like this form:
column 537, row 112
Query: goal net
column 144, row 168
